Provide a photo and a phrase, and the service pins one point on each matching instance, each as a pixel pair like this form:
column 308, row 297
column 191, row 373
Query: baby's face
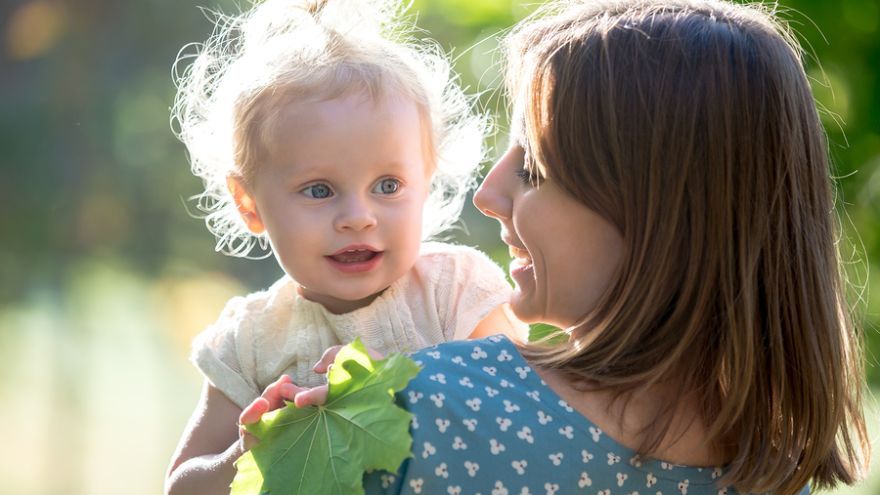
column 342, row 194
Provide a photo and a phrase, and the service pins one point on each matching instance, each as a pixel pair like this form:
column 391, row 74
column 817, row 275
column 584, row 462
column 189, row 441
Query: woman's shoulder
column 477, row 355
column 484, row 419
column 470, row 373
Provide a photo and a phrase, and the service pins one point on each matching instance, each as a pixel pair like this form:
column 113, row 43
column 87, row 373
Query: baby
column 321, row 130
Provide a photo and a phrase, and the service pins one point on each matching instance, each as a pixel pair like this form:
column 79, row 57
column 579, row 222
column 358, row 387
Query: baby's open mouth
column 354, row 256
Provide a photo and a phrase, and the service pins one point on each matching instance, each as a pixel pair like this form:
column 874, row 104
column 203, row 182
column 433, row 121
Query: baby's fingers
column 254, row 411
column 329, row 356
column 281, row 390
column 327, row 359
column 311, row 397
column 272, row 393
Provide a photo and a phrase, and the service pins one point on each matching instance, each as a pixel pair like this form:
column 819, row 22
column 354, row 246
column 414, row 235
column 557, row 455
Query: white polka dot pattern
column 493, row 427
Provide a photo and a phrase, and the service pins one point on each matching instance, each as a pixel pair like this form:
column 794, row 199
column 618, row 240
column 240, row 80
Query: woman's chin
column 522, row 306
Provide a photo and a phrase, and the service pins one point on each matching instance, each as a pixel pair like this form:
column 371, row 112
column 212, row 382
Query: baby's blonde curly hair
column 231, row 91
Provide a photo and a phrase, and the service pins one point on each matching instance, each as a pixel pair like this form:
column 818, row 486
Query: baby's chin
column 341, row 301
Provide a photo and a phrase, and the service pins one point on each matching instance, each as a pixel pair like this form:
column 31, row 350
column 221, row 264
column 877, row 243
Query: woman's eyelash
column 528, row 177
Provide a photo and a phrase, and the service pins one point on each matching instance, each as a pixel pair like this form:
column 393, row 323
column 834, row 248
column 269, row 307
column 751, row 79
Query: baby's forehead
column 389, row 128
column 307, row 115
column 282, row 105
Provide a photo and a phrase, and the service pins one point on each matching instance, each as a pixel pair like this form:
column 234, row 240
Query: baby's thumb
column 327, row 359
column 250, row 415
column 247, row 440
column 323, row 364
column 312, row 397
column 254, row 411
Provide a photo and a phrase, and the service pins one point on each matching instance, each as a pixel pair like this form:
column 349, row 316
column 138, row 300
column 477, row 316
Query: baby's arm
column 209, row 445
column 501, row 320
column 212, row 440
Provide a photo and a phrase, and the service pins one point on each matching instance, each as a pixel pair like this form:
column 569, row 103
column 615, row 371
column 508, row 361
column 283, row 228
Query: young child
column 319, row 128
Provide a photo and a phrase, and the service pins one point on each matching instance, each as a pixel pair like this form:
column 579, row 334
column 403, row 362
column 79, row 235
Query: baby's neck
column 335, row 305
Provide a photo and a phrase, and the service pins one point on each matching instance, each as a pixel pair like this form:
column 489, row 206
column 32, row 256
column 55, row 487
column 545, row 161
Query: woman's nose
column 493, row 196
column 355, row 214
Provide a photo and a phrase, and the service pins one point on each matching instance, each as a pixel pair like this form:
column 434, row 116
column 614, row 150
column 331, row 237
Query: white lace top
column 262, row 335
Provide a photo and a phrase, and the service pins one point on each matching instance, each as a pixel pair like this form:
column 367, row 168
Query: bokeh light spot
column 190, row 303
column 34, row 29
column 102, row 221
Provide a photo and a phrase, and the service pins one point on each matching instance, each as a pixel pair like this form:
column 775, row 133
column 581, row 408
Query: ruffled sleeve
column 468, row 287
column 224, row 353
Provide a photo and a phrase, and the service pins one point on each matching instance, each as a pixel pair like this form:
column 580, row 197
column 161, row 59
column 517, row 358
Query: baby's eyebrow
column 316, row 169
column 396, row 166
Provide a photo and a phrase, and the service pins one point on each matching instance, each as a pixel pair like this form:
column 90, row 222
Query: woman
column 666, row 199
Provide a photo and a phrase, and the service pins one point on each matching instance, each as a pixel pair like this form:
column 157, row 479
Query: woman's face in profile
column 564, row 254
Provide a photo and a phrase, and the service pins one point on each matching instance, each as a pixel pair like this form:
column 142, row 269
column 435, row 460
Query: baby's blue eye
column 318, row 191
column 387, row 186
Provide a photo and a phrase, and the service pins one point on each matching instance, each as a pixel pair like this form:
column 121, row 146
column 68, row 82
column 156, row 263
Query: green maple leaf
column 547, row 334
column 326, row 449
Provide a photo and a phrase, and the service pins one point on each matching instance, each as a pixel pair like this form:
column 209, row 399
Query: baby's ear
column 245, row 203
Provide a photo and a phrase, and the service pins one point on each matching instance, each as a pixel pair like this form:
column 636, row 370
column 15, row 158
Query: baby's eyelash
column 387, row 185
column 317, row 190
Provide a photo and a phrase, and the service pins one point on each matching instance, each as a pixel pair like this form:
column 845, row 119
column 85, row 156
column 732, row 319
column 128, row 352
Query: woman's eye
column 387, row 186
column 528, row 173
column 317, row 191
column 528, row 177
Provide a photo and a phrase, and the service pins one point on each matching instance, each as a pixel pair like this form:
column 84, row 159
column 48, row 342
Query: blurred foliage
column 90, row 169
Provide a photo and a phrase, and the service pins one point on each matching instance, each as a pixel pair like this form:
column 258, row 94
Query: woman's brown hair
column 690, row 126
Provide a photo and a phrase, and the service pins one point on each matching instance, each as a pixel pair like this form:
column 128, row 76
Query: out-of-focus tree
column 89, row 167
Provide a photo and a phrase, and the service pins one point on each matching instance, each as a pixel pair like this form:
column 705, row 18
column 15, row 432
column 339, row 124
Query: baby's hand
column 283, row 389
column 273, row 398
column 318, row 396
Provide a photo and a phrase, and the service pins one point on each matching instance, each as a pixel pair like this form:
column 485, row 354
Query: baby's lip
column 356, row 247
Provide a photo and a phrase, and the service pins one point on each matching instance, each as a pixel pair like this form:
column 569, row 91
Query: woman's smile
column 521, row 262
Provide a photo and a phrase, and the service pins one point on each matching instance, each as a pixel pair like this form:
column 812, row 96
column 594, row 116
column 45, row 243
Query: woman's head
column 284, row 53
column 690, row 128
column 682, row 123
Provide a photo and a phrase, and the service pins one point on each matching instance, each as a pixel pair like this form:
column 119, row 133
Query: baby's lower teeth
column 354, row 257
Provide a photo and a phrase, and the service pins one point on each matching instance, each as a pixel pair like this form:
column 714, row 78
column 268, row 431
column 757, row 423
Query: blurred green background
column 106, row 277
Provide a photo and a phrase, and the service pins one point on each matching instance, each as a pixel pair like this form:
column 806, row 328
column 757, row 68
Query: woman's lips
column 521, row 261
column 516, row 252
